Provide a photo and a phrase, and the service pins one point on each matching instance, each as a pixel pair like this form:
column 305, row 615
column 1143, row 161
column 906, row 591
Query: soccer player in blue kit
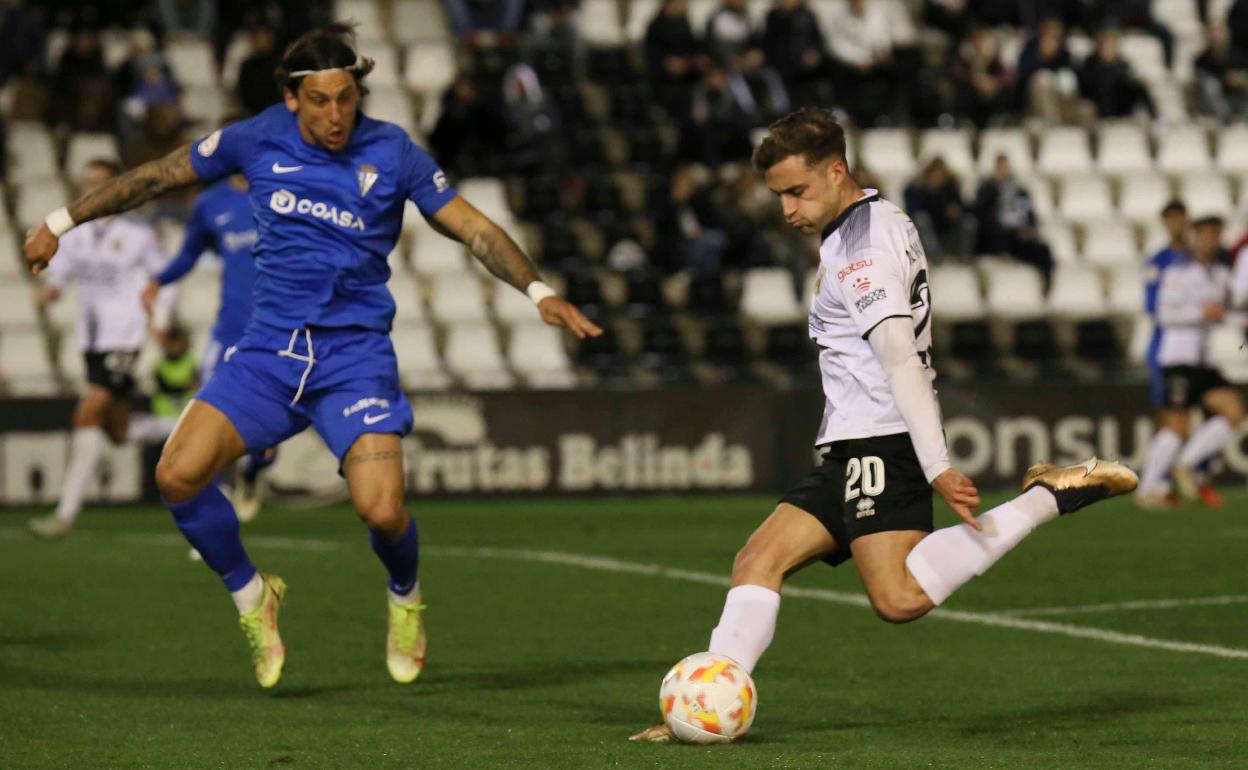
column 327, row 186
column 221, row 219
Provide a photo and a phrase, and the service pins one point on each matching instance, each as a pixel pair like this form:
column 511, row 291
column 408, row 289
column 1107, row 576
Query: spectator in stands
column 1237, row 23
column 1007, row 221
column 862, row 44
column 735, row 48
column 1222, row 75
column 1130, row 14
column 673, row 58
column 194, row 17
column 532, row 120
column 688, row 229
column 1046, row 79
column 257, row 85
column 468, row 127
column 934, row 202
column 22, row 41
column 82, row 84
column 720, row 119
column 1106, row 80
column 485, row 24
column 982, row 80
column 794, row 45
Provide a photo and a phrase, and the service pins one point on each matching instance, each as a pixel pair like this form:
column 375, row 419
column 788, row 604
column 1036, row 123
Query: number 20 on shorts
column 867, row 470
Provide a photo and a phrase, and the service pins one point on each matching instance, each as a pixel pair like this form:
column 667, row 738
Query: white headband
column 360, row 63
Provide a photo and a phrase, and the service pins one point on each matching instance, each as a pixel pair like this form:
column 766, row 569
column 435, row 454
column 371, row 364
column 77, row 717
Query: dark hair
column 1214, row 220
column 811, row 132
column 1174, row 206
column 108, row 164
column 329, row 47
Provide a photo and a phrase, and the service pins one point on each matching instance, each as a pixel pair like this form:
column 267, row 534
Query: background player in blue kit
column 328, row 187
column 222, row 220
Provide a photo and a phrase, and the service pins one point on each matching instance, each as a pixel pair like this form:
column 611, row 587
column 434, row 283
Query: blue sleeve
column 198, row 237
column 426, row 183
column 1152, row 282
column 224, row 151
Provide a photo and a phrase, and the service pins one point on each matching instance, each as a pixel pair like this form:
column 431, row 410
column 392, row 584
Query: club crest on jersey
column 862, row 284
column 367, row 176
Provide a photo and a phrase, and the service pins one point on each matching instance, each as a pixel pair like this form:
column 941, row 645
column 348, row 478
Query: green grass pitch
column 115, row 651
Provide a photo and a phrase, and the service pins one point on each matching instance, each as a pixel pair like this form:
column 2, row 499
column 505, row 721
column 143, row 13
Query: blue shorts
column 214, row 354
column 274, row 383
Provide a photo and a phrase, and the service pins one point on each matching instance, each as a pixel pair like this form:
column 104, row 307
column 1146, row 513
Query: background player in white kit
column 881, row 444
column 110, row 260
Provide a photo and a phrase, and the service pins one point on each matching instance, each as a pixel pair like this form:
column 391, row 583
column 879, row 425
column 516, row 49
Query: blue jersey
column 327, row 221
column 1156, row 265
column 221, row 220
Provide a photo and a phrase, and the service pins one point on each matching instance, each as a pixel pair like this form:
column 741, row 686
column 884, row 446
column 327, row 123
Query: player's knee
column 900, row 606
column 756, row 564
column 385, row 516
column 175, row 482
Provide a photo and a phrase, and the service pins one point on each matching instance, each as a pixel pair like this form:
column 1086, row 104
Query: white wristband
column 59, row 222
column 539, row 291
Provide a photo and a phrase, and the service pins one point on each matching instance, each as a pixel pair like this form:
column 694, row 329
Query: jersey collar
column 868, row 196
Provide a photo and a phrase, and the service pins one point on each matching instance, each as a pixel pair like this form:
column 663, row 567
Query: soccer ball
column 708, row 698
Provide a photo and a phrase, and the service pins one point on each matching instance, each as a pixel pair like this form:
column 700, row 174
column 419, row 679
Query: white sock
column 411, row 597
column 948, row 558
column 1162, row 449
column 85, row 448
column 747, row 624
column 1209, row 439
column 150, row 429
column 248, row 597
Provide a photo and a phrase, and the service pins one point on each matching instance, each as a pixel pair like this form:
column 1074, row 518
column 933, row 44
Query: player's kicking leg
column 91, row 423
column 1172, row 427
column 204, row 442
column 373, row 468
column 906, row 572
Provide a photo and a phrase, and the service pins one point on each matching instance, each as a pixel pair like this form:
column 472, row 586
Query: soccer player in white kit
column 110, row 260
column 1192, row 298
column 882, row 447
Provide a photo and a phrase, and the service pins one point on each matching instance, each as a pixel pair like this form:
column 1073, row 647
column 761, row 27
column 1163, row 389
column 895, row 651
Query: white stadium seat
column 435, row 254
column 1041, row 193
column 955, row 293
column 32, row 153
column 887, row 152
column 1142, row 196
column 86, row 147
column 37, row 200
column 1076, row 293
column 419, row 21
column 767, row 297
column 1064, row 150
column 366, row 15
column 599, row 22
column 512, row 307
column 1126, row 291
column 386, row 65
column 952, row 145
column 700, row 12
column 1226, row 348
column 1143, row 52
column 235, row 54
column 391, row 104
column 1061, row 241
column 1183, row 149
column 1085, row 198
column 1110, row 243
column 24, row 363
column 457, row 298
column 1232, row 157
column 409, row 307
column 536, row 352
column 420, row 368
column 192, row 62
column 490, row 197
column 473, row 355
column 431, row 67
column 640, row 14
column 1013, row 143
column 17, row 305
column 199, row 298
column 207, row 104
column 1015, row 292
column 1206, row 194
column 1123, row 148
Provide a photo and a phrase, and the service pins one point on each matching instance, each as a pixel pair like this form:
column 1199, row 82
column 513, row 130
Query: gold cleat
column 660, row 733
column 1078, row 486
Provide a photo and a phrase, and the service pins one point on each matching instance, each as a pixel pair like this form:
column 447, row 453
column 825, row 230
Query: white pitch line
column 607, row 564
column 1139, row 604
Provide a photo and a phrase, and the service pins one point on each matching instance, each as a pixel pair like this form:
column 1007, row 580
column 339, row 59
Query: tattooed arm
column 491, row 245
column 128, row 191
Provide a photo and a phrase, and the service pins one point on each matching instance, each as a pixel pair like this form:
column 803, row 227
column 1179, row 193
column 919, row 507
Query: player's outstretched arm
column 495, row 249
column 128, row 191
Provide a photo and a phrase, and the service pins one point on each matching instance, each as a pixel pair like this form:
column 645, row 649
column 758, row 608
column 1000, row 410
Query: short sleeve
column 427, row 185
column 224, row 151
column 873, row 288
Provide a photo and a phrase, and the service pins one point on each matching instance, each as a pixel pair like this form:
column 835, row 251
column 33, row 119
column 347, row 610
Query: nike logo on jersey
column 278, row 168
column 373, row 419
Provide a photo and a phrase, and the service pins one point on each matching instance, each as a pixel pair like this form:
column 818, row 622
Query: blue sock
column 401, row 557
column 208, row 522
column 258, row 461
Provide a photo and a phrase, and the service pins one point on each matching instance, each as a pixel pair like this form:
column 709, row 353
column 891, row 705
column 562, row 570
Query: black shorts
column 1186, row 386
column 863, row 486
column 112, row 370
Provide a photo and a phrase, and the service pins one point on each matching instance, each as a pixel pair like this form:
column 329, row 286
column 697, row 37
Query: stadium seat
column 366, row 14
column 1142, row 196
column 640, row 14
column 24, row 363
column 1109, row 243
column 490, row 197
column 1232, row 155
column 386, row 64
column 473, row 355
column 1014, row 291
column 1206, row 194
column 37, row 200
column 1076, row 293
column 434, row 254
column 17, row 305
column 888, row 152
column 206, row 104
column 1123, row 148
column 953, row 145
column 1041, row 193
column 1143, row 52
column 700, row 12
column 86, row 147
column 1126, row 291
column 1226, row 348
column 419, row 365
column 235, row 54
column 431, row 67
column 513, row 308
column 32, row 154
column 1183, row 149
column 536, row 352
column 409, row 306
column 457, row 298
column 1011, row 142
column 1060, row 238
column 955, row 293
column 391, row 104
column 767, row 297
column 419, row 22
column 599, row 22
column 192, row 62
column 199, row 296
column 1064, row 150
column 1085, row 198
